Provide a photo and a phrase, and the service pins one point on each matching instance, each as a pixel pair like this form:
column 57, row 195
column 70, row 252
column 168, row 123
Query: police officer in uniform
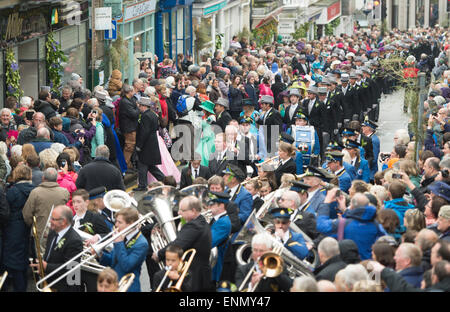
column 335, row 165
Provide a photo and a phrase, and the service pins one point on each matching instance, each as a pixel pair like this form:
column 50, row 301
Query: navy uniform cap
column 287, row 138
column 279, row 212
column 335, row 146
column 246, row 119
column 352, row 144
column 218, row 197
column 319, row 173
column 300, row 115
column 298, row 186
column 440, row 189
column 334, row 156
column 97, row 192
column 370, row 123
column 348, row 132
column 235, row 171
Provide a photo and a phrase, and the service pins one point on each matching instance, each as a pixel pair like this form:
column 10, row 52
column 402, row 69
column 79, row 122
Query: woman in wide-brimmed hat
column 206, row 145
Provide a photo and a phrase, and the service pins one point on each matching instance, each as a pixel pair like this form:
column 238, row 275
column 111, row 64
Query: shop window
column 76, row 62
column 138, row 25
column 187, row 31
column 127, row 32
column 180, row 33
column 29, row 78
column 174, row 34
column 138, row 42
column 69, row 37
column 28, row 50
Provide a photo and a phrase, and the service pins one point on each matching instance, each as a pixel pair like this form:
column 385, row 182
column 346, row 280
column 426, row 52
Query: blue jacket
column 220, row 230
column 345, row 181
column 399, row 205
column 244, row 200
column 363, row 170
column 315, row 202
column 297, row 245
column 299, row 162
column 348, row 168
column 40, row 145
column 126, row 260
column 412, row 275
column 360, row 226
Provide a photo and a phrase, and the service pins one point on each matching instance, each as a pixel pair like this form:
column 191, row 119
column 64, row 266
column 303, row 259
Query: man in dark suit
column 303, row 66
column 147, row 146
column 313, row 108
column 220, row 158
column 196, row 233
column 271, row 120
column 192, row 171
column 223, row 116
column 293, row 108
column 63, row 243
column 348, row 98
column 261, row 243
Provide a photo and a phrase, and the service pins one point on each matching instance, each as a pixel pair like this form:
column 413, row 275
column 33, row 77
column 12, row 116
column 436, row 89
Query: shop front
column 331, row 10
column 174, row 28
column 24, row 30
column 137, row 26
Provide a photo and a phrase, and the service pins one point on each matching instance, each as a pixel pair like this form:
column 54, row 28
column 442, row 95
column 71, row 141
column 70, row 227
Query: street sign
column 111, row 34
column 103, row 17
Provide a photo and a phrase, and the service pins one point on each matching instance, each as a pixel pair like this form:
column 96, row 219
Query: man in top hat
column 223, row 117
column 271, row 121
column 147, row 147
column 347, row 99
column 233, row 177
column 360, row 163
column 293, row 107
column 335, row 164
column 329, row 116
column 244, row 134
column 314, row 177
column 220, row 228
column 368, row 129
column 303, row 66
column 294, row 242
column 358, row 100
column 335, row 96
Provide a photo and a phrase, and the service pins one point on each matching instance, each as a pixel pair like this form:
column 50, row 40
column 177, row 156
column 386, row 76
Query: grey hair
column 329, row 247
column 403, row 136
column 190, row 89
column 351, row 274
column 262, row 239
column 231, row 129
column 5, row 109
column 359, row 200
column 304, row 284
column 43, row 133
column 445, row 163
column 102, row 151
column 50, row 175
column 127, row 88
column 66, row 213
column 291, row 195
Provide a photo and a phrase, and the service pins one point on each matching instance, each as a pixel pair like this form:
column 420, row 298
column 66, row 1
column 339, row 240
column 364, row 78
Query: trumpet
column 125, row 282
column 272, row 266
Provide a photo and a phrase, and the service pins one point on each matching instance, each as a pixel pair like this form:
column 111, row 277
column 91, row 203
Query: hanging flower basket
column 12, row 76
column 54, row 59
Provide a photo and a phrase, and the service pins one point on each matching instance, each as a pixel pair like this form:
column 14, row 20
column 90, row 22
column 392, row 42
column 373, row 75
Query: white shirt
column 292, row 109
column 233, row 190
column 195, row 172
column 61, row 234
column 219, row 215
column 353, row 161
column 77, row 219
column 283, row 239
column 310, row 105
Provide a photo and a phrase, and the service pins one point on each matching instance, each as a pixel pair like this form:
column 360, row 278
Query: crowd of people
column 289, row 128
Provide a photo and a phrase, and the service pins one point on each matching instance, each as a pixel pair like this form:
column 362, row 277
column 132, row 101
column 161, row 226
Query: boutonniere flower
column 317, row 104
column 131, row 242
column 88, row 228
column 60, row 243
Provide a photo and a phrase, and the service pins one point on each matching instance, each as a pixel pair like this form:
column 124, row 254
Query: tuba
column 115, row 200
column 125, row 282
column 260, row 222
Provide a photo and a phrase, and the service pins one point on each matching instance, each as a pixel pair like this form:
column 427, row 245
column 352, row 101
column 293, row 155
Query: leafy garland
column 301, row 31
column 330, row 27
column 55, row 56
column 118, row 53
column 12, row 76
column 219, row 41
column 265, row 34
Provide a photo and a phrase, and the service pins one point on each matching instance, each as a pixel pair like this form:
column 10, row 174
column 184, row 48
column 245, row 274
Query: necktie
column 196, row 173
column 212, row 221
column 51, row 246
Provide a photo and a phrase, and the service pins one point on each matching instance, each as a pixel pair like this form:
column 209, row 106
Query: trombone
column 37, row 245
column 87, row 256
column 272, row 266
column 184, row 269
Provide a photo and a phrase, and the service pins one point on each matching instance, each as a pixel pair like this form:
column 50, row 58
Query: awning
column 269, row 17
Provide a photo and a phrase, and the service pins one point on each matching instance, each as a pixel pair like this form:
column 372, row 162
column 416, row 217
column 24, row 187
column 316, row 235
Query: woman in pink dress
column 167, row 166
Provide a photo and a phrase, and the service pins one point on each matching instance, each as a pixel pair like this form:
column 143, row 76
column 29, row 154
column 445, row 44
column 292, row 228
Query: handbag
column 164, row 133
